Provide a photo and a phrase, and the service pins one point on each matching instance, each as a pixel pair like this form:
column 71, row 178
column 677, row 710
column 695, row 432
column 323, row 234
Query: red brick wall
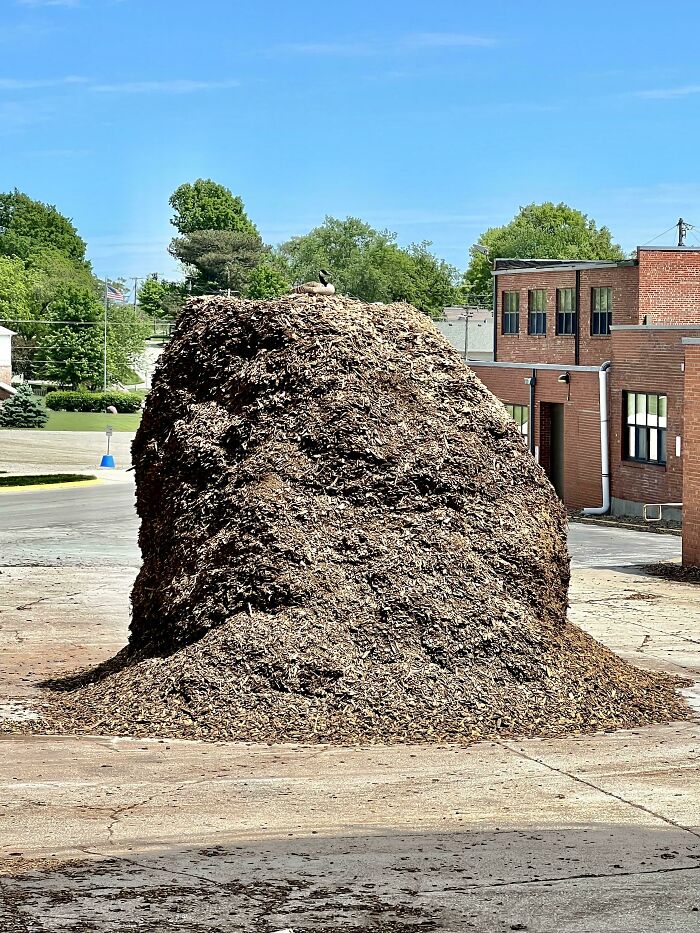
column 582, row 483
column 525, row 348
column 647, row 361
column 624, row 281
column 5, row 374
column 691, row 458
column 669, row 286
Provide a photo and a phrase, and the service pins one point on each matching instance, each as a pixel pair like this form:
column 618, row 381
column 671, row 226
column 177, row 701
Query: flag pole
column 104, row 342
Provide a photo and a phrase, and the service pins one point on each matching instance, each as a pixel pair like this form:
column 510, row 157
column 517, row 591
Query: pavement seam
column 608, row 793
column 564, row 878
column 648, row 628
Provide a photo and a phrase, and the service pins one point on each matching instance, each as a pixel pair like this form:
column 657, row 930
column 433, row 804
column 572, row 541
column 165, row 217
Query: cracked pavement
column 114, row 835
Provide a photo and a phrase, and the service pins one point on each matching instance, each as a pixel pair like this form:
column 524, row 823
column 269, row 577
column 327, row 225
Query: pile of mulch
column 344, row 539
column 671, row 571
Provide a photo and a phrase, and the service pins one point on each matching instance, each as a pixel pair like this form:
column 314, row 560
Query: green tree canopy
column 71, row 351
column 206, row 205
column 218, row 259
column 15, row 293
column 161, row 299
column 539, row 231
column 368, row 264
column 265, row 281
column 27, row 225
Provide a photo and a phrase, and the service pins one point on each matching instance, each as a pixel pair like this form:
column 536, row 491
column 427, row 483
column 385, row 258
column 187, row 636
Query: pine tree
column 23, row 410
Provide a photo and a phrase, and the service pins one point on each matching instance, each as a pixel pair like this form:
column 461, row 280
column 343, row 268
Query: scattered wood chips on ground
column 344, row 540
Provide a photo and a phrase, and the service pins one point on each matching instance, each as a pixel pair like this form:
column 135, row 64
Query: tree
column 206, row 205
column 539, row 231
column 368, row 264
column 23, row 410
column 161, row 299
column 73, row 356
column 266, row 282
column 15, row 292
column 27, row 225
column 127, row 331
column 71, row 351
column 218, row 259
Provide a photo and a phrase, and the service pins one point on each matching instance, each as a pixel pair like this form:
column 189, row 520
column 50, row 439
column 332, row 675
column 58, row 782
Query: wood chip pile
column 345, row 540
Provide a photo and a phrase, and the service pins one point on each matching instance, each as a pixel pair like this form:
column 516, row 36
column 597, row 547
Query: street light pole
column 104, row 341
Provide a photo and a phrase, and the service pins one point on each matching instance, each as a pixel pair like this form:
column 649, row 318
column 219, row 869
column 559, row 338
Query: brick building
column 590, row 359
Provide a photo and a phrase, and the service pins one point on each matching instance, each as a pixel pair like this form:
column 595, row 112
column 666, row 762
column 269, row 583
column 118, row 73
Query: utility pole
column 683, row 228
column 136, row 280
column 104, row 342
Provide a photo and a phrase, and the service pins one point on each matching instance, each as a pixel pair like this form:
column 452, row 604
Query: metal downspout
column 532, row 382
column 604, row 443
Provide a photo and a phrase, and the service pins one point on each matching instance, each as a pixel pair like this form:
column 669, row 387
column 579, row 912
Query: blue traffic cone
column 108, row 462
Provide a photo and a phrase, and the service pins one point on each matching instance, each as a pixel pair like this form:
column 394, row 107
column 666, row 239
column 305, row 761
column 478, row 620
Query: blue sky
column 435, row 120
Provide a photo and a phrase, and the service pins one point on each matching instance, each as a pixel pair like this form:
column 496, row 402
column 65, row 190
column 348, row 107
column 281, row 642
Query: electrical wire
column 660, row 235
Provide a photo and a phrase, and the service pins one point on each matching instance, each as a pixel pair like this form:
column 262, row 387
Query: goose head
column 324, row 276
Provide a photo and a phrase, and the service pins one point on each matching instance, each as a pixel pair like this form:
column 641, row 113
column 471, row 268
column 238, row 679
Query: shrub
column 23, row 410
column 124, row 402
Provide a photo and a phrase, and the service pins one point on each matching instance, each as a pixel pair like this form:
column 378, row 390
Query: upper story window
column 511, row 312
column 520, row 415
column 601, row 311
column 645, row 423
column 566, row 311
column 537, row 311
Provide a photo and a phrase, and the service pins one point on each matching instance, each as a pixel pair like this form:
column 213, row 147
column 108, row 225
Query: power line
column 674, row 227
column 76, row 323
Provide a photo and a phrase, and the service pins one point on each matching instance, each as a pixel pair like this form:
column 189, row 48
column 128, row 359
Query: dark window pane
column 644, row 437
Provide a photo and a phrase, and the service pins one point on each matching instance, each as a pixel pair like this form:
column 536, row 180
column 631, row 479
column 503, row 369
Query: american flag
column 114, row 294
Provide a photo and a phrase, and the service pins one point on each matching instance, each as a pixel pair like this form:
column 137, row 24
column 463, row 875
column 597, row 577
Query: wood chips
column 344, row 540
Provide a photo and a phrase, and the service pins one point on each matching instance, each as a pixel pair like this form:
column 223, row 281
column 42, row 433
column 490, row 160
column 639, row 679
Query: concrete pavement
column 26, row 451
column 598, row 833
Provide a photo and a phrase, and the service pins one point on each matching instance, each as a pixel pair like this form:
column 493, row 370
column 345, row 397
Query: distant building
column 6, row 389
column 590, row 361
column 474, row 342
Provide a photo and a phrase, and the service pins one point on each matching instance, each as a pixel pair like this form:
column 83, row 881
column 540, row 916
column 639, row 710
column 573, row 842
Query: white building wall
column 5, row 350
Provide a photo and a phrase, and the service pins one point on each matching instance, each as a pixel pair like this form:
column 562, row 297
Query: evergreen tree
column 23, row 410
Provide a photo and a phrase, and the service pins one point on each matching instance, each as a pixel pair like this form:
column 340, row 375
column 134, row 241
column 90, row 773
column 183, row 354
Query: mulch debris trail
column 675, row 572
column 344, row 540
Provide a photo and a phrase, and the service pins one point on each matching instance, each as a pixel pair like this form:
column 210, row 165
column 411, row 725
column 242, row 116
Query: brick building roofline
column 669, row 249
column 556, row 265
column 559, row 367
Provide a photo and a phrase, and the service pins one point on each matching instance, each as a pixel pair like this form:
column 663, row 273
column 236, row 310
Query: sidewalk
column 28, row 451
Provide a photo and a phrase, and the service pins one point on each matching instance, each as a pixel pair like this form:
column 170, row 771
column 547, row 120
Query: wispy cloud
column 447, row 40
column 174, row 86
column 349, row 49
column 37, row 3
column 669, row 93
column 415, row 41
column 61, row 153
column 177, row 86
column 25, row 84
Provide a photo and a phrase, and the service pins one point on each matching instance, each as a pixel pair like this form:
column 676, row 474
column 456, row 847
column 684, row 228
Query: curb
column 647, row 529
column 31, row 487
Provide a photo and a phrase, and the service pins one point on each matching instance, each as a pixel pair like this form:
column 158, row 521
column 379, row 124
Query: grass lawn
column 91, row 421
column 44, row 480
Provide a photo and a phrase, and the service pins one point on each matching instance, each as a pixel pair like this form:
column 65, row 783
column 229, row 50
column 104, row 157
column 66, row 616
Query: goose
column 323, row 287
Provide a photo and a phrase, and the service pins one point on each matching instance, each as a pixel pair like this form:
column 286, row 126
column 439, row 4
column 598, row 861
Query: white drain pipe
column 604, row 443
